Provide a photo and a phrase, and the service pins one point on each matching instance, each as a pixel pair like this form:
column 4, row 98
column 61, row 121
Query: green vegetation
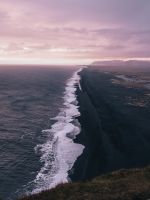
column 133, row 184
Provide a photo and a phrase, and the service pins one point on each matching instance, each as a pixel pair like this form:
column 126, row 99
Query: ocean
column 38, row 122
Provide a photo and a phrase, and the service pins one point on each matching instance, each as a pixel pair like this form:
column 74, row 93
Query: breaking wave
column 59, row 153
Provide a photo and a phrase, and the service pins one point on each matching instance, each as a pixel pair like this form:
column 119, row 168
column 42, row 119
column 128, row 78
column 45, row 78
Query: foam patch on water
column 59, row 153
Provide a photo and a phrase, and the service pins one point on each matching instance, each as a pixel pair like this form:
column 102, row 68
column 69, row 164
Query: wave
column 59, row 153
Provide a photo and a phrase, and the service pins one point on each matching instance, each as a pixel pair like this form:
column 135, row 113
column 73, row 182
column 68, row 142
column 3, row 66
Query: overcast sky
column 74, row 30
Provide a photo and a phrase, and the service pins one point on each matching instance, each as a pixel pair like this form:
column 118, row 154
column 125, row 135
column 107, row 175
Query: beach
column 115, row 117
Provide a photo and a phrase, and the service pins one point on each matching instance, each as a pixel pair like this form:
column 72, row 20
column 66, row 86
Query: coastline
column 59, row 152
column 116, row 138
column 81, row 169
column 111, row 138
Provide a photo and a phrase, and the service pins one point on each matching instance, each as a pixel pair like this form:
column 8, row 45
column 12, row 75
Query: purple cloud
column 75, row 28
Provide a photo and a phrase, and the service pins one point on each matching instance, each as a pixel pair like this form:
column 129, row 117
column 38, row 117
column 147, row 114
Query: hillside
column 133, row 184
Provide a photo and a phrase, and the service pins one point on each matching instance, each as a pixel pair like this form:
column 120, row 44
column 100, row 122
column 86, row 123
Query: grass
column 133, row 184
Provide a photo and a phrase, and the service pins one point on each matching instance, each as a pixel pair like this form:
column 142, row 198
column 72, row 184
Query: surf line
column 59, row 153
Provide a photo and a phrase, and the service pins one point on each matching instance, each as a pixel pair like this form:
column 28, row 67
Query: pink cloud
column 87, row 28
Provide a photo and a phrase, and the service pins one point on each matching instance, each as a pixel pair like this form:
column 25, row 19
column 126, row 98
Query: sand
column 115, row 133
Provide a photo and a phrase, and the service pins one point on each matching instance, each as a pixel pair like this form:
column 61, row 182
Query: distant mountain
column 121, row 63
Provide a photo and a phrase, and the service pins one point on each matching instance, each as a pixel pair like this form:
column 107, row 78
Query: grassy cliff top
column 120, row 185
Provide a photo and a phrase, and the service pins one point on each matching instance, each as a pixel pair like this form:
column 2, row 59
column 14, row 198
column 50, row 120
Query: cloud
column 75, row 28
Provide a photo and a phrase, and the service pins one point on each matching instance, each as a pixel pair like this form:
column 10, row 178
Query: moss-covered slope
column 120, row 185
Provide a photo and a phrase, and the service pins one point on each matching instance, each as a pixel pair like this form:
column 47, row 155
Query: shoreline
column 80, row 170
column 58, row 145
column 111, row 137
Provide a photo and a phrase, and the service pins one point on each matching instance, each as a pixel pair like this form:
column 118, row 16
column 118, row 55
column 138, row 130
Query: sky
column 73, row 31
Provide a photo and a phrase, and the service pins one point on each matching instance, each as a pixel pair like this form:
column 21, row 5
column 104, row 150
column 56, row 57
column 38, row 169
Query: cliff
column 131, row 184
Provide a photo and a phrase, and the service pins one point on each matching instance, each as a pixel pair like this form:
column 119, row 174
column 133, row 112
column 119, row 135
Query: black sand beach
column 115, row 121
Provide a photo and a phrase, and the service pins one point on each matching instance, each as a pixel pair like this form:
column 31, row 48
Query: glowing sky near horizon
column 76, row 31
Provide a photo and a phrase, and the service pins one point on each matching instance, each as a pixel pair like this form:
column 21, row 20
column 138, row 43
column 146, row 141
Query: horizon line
column 65, row 61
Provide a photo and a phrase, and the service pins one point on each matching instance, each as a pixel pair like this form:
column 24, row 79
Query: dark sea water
column 29, row 99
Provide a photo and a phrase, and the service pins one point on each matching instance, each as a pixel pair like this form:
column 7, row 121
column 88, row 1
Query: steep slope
column 131, row 184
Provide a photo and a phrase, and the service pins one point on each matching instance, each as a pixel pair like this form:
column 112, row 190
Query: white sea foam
column 60, row 152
